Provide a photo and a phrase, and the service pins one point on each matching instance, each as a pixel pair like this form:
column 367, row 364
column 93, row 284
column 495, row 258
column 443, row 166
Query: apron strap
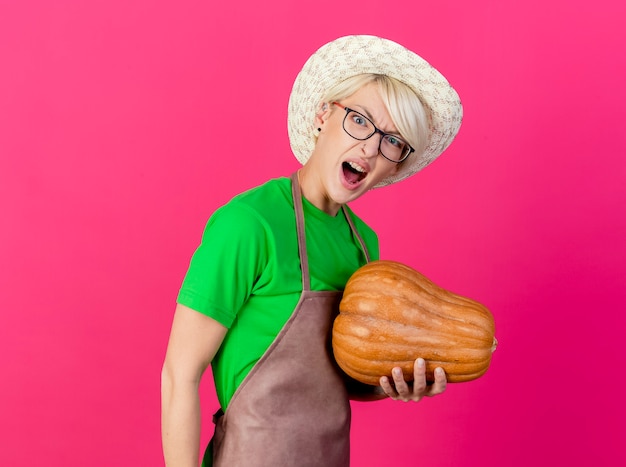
column 297, row 206
column 304, row 259
column 356, row 233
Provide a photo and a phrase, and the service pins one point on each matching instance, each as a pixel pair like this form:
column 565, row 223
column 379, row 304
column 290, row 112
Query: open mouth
column 353, row 173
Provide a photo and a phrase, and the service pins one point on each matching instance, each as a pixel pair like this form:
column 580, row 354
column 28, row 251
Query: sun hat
column 354, row 55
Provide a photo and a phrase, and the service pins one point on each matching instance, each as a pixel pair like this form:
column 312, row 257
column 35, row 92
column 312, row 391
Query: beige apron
column 292, row 409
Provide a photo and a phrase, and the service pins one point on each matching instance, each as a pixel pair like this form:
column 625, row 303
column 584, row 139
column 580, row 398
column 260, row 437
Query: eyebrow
column 369, row 115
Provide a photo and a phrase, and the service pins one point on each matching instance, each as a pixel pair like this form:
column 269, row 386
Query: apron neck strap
column 296, row 193
column 297, row 206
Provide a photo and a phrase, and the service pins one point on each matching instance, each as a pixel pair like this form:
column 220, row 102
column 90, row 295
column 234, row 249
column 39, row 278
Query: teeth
column 356, row 167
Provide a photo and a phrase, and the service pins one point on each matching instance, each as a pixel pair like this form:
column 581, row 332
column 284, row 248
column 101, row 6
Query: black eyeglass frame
column 376, row 130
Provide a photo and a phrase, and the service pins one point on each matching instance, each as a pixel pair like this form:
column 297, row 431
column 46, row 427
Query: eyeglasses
column 358, row 126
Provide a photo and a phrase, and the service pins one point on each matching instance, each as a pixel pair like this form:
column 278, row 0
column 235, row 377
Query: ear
column 322, row 114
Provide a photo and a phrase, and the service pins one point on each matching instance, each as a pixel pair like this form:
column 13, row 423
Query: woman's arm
column 194, row 341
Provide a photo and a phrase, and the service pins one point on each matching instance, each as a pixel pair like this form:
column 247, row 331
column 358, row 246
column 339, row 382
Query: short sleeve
column 224, row 268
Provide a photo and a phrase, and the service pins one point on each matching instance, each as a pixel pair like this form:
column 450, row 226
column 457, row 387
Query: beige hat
column 354, row 55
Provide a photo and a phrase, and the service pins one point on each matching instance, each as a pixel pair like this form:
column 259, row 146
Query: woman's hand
column 402, row 391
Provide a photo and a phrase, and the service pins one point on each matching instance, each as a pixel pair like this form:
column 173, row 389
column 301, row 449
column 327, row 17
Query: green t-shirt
column 246, row 272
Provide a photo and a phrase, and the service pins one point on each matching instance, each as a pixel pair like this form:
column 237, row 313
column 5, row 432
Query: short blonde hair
column 404, row 106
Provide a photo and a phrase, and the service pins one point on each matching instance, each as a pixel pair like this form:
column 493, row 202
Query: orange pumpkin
column 390, row 315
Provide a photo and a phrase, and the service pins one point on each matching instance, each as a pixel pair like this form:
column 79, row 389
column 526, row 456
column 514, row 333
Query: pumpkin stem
column 494, row 345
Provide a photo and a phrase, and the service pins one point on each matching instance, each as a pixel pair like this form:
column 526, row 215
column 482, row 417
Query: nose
column 371, row 146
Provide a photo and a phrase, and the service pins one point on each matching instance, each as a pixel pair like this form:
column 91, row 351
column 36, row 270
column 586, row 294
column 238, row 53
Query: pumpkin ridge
column 431, row 352
column 456, row 372
column 427, row 301
column 435, row 300
column 443, row 341
column 413, row 352
column 424, row 283
column 348, row 315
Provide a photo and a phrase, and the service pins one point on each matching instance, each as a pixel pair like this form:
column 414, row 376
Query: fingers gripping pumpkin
column 391, row 314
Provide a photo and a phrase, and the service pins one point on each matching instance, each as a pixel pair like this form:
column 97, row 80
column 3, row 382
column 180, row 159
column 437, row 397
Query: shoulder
column 266, row 203
column 254, row 210
column 274, row 190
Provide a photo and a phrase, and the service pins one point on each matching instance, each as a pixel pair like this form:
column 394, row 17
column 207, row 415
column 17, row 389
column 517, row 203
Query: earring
column 319, row 130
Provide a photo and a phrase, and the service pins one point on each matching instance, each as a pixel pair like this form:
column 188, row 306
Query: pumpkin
column 390, row 315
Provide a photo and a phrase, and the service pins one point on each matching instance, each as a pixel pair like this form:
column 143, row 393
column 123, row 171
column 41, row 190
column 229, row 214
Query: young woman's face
column 345, row 168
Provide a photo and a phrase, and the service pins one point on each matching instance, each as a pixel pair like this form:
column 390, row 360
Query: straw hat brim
column 354, row 55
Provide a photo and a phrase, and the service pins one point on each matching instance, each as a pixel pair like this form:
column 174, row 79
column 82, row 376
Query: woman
column 261, row 291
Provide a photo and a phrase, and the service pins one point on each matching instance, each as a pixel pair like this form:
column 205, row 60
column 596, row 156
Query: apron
column 292, row 409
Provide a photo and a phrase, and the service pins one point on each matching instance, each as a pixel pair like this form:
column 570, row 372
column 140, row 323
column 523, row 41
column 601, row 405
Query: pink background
column 115, row 119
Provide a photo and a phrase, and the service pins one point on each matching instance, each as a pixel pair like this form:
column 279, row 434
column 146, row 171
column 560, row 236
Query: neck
column 312, row 190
